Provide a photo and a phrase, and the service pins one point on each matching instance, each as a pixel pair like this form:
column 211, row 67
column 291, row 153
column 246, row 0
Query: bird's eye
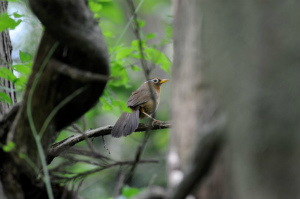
column 155, row 80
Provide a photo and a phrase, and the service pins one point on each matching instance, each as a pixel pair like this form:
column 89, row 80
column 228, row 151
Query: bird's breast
column 148, row 107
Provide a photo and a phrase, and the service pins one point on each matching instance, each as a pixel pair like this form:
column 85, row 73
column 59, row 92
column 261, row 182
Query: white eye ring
column 155, row 80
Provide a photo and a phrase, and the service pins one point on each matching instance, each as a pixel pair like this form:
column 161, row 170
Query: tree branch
column 77, row 74
column 65, row 144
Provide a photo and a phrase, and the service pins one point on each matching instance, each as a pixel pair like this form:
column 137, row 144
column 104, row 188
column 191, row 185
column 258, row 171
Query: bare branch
column 65, row 144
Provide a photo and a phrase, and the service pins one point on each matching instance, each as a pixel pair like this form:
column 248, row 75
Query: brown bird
column 141, row 104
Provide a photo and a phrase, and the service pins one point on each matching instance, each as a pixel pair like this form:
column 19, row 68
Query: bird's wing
column 139, row 97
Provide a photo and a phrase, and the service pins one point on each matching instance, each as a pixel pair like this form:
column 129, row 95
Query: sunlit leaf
column 141, row 23
column 21, row 82
column 135, row 68
column 24, row 69
column 5, row 98
column 136, row 44
column 122, row 105
column 9, row 147
column 159, row 58
column 124, row 52
column 150, row 36
column 119, row 74
column 25, row 57
column 130, row 191
column 8, row 23
column 16, row 15
column 169, row 31
column 106, row 101
column 108, row 34
column 7, row 74
column 95, row 7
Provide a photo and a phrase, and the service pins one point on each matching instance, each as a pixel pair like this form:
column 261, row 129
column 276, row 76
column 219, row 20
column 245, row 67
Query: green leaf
column 24, row 69
column 106, row 106
column 21, row 82
column 159, row 58
column 136, row 45
column 119, row 74
column 8, row 23
column 123, row 52
column 95, row 7
column 9, row 147
column 135, row 68
column 108, row 34
column 17, row 15
column 22, row 155
column 122, row 105
column 106, row 101
column 7, row 74
column 5, row 98
column 130, row 191
column 141, row 23
column 169, row 32
column 150, row 36
column 25, row 57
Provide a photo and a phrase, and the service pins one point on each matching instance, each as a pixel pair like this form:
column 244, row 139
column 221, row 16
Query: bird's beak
column 163, row 81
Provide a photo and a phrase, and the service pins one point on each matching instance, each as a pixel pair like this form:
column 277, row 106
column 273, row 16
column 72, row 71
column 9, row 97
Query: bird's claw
column 155, row 121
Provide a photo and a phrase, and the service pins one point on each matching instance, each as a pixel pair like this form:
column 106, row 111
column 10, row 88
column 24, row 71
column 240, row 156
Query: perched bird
column 142, row 105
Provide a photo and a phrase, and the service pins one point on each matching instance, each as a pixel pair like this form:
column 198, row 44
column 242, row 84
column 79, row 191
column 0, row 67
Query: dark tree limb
column 65, row 144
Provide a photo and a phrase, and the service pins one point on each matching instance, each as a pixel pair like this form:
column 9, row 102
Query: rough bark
column 77, row 41
column 6, row 61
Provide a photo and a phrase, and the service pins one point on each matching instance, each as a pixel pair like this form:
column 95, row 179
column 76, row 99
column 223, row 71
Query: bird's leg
column 154, row 120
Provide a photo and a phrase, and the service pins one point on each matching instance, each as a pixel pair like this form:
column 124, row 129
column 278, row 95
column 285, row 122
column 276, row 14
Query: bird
column 142, row 105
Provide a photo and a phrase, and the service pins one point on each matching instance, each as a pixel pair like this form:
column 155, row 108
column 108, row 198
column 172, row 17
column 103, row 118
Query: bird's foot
column 155, row 121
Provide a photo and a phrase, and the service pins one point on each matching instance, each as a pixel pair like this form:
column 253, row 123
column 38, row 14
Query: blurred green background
column 155, row 21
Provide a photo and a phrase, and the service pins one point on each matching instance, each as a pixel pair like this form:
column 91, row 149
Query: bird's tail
column 126, row 124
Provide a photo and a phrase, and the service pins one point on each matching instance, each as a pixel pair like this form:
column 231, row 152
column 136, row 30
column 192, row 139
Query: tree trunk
column 255, row 62
column 194, row 108
column 54, row 96
column 6, row 61
column 248, row 52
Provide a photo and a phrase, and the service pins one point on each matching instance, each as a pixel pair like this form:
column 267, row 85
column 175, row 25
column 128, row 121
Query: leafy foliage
column 129, row 192
column 5, row 98
column 9, row 146
column 6, row 22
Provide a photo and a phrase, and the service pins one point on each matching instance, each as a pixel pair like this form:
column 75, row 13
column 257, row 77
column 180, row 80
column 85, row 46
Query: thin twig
column 141, row 147
column 87, row 173
column 88, row 141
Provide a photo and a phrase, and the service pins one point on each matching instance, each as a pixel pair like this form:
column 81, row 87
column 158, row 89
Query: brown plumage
column 141, row 103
